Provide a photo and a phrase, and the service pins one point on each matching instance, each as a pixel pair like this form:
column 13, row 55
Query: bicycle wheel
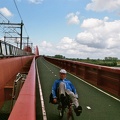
column 70, row 117
column 70, row 114
column 61, row 113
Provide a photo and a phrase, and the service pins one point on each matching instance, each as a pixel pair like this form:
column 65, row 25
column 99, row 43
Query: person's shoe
column 78, row 110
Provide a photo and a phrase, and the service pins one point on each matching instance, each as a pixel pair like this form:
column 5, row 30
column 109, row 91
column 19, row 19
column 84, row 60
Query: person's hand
column 54, row 100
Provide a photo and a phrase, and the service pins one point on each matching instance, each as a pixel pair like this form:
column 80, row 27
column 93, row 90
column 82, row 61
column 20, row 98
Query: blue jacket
column 68, row 86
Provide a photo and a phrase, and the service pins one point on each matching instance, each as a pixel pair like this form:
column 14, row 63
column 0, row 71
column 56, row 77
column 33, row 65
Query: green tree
column 59, row 56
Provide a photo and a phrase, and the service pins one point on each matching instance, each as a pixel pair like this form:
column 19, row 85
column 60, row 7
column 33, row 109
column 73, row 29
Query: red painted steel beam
column 24, row 108
column 9, row 67
column 37, row 51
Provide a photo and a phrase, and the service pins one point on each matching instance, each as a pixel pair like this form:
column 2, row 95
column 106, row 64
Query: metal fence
column 18, row 83
column 8, row 50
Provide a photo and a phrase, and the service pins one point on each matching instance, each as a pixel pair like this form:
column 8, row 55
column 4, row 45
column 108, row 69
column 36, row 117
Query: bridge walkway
column 96, row 105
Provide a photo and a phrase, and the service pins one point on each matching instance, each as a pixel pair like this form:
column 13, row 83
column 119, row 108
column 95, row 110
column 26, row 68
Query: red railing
column 102, row 77
column 25, row 107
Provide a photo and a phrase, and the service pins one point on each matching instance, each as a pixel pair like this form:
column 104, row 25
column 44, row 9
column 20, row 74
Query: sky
column 72, row 28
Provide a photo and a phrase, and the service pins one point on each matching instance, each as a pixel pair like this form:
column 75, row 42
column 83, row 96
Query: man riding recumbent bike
column 64, row 94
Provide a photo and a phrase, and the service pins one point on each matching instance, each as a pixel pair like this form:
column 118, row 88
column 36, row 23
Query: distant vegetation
column 107, row 61
column 59, row 56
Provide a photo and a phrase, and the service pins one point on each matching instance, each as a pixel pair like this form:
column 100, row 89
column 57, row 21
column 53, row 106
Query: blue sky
column 73, row 28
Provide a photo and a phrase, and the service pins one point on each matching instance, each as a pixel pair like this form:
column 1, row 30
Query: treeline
column 113, row 62
column 107, row 61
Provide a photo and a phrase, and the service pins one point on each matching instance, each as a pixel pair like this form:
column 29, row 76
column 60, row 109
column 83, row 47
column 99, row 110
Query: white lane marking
column 48, row 68
column 41, row 96
column 88, row 107
column 97, row 88
column 91, row 85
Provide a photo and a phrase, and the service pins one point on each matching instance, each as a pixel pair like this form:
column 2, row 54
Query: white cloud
column 46, row 48
column 72, row 18
column 99, row 38
column 67, row 47
column 66, row 43
column 104, row 5
column 106, row 18
column 85, row 38
column 36, row 1
column 6, row 12
column 66, row 40
column 92, row 23
column 100, row 34
column 45, row 44
column 2, row 39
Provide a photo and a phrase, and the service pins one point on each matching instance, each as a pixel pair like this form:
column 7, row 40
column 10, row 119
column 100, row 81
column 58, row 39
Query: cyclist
column 64, row 86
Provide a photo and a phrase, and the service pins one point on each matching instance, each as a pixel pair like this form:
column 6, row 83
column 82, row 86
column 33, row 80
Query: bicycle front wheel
column 70, row 115
column 61, row 113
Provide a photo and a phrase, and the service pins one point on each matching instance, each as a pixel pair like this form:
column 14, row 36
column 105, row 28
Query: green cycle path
column 96, row 105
